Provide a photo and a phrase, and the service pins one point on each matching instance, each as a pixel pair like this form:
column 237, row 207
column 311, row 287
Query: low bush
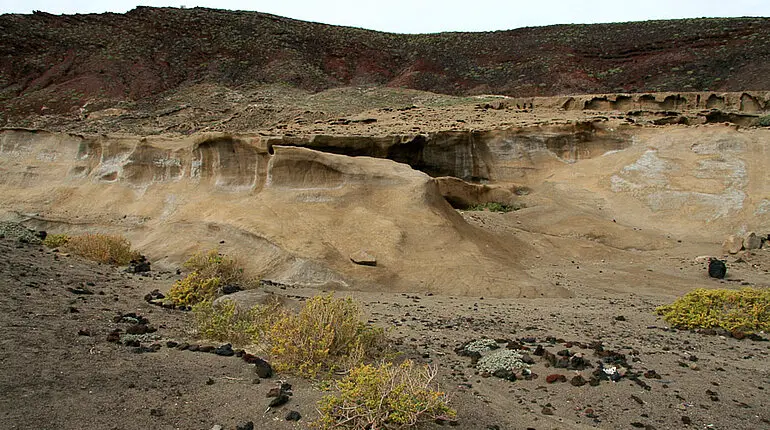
column 210, row 271
column 385, row 397
column 56, row 240
column 493, row 207
column 224, row 322
column 327, row 334
column 764, row 121
column 193, row 289
column 212, row 264
column 102, row 248
column 746, row 310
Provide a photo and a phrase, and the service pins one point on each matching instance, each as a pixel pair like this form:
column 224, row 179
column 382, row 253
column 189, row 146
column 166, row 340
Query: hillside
column 56, row 64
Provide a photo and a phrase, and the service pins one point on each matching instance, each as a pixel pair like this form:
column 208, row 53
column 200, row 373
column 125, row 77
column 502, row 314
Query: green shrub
column 102, row 248
column 226, row 323
column 746, row 310
column 385, row 397
column 327, row 334
column 764, row 121
column 56, row 240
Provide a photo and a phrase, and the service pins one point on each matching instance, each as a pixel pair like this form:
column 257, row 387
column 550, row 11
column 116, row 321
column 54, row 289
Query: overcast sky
column 429, row 16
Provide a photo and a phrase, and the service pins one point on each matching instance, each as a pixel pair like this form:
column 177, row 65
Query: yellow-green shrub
column 224, row 322
column 193, row 289
column 56, row 240
column 327, row 334
column 212, row 264
column 383, row 397
column 102, row 248
column 745, row 310
column 210, row 270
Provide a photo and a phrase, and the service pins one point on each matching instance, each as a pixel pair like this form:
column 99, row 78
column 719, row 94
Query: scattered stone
column 84, row 332
column 280, row 400
column 171, row 344
column 620, row 318
column 225, row 350
column 230, row 289
column 114, row 336
column 80, row 291
column 686, row 420
column 131, row 318
column 263, row 368
column 293, row 416
column 555, row 378
column 157, row 412
column 154, row 295
column 363, row 258
column 206, row 348
column 578, row 381
column 138, row 265
column 717, row 268
column 139, row 329
column 732, row 245
column 245, row 426
column 216, row 427
column 752, row 241
column 547, row 411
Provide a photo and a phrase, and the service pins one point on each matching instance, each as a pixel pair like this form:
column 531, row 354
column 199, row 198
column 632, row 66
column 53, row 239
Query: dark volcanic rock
column 225, row 350
column 717, row 268
column 263, row 368
column 293, row 416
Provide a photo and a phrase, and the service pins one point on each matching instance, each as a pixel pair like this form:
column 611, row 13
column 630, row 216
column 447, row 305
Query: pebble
column 555, row 378
column 293, row 416
column 245, row 426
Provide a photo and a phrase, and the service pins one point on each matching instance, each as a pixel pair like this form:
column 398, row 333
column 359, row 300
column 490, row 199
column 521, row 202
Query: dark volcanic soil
column 60, row 371
column 58, row 64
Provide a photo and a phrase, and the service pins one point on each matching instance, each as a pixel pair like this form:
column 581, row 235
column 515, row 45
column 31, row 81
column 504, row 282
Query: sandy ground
column 61, row 372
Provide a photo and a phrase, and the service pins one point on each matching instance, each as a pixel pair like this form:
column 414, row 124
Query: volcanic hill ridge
column 58, row 63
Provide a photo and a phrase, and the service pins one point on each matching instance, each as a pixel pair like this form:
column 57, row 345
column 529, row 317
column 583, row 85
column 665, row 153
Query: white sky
column 429, row 16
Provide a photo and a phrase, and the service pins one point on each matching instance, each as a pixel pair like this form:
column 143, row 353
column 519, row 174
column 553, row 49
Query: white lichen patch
column 481, row 345
column 502, row 359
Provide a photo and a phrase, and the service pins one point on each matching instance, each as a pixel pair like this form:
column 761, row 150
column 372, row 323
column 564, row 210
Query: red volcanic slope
column 64, row 61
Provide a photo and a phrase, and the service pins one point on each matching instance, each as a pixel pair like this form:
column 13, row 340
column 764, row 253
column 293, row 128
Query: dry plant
column 102, row 248
column 385, row 397
column 210, row 271
column 224, row 322
column 327, row 334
